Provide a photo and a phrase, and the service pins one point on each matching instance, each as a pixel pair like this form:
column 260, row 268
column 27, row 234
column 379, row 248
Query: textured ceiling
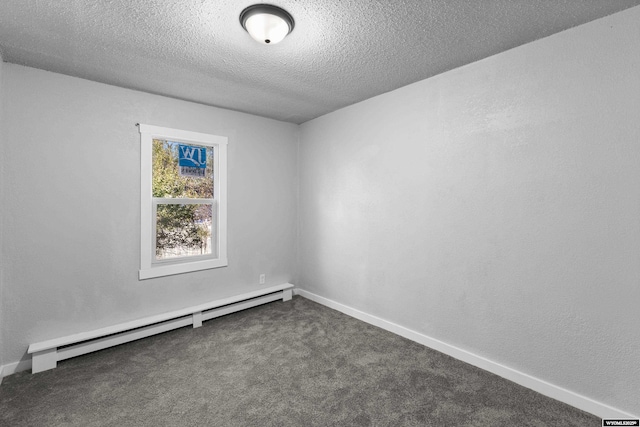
column 340, row 52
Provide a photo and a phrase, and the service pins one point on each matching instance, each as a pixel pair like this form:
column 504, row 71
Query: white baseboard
column 12, row 368
column 563, row 395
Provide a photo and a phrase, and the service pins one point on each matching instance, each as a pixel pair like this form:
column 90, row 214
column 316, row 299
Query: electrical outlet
column 262, row 278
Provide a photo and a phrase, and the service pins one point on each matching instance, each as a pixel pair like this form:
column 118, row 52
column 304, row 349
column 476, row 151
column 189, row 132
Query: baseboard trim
column 15, row 367
column 563, row 395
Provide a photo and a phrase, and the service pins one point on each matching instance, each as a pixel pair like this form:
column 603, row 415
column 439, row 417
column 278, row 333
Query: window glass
column 194, row 179
column 184, row 230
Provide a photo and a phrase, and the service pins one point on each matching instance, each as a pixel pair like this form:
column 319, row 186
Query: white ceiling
column 340, row 52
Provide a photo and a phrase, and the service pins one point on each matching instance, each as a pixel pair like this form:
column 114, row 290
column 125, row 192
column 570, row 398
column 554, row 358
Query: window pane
column 182, row 170
column 185, row 230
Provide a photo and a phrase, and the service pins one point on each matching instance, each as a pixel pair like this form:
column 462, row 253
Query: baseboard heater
column 46, row 354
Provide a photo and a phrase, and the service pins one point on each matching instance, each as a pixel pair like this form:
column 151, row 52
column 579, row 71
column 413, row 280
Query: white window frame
column 149, row 266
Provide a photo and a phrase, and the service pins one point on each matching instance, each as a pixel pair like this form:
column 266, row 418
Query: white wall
column 494, row 207
column 2, row 156
column 71, row 203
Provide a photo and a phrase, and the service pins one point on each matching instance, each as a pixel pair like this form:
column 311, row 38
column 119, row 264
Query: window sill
column 185, row 267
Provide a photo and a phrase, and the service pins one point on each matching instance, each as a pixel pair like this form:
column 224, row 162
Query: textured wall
column 494, row 207
column 2, row 156
column 71, row 206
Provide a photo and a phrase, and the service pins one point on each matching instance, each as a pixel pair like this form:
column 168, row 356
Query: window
column 183, row 201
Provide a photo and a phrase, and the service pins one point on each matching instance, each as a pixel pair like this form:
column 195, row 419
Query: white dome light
column 267, row 24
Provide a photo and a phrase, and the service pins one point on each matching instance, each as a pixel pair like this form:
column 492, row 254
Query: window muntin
column 183, row 201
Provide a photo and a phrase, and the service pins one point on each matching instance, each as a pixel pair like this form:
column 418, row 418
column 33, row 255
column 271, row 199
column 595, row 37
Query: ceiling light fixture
column 266, row 23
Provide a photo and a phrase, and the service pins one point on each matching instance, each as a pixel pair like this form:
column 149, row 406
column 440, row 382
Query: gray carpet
column 295, row 363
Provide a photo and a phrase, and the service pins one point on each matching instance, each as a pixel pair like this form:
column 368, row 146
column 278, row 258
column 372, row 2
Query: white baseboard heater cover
column 46, row 354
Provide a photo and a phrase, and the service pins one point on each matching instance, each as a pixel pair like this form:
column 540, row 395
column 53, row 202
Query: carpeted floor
column 295, row 363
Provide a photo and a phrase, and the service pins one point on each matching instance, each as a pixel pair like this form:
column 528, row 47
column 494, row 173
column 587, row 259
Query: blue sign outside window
column 192, row 160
